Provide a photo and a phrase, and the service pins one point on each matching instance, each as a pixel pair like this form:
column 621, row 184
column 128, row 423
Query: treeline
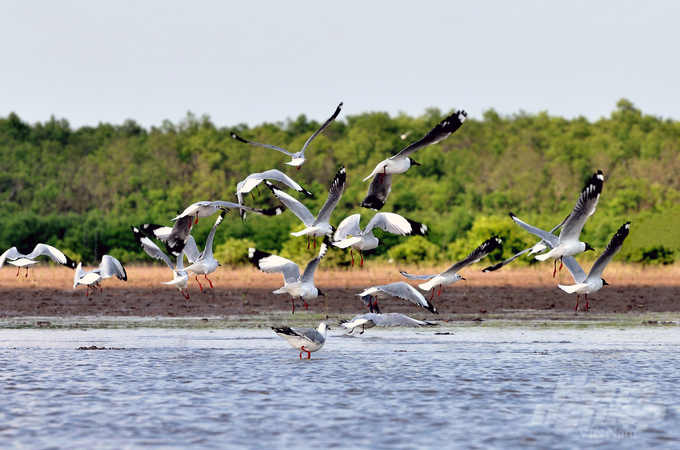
column 80, row 190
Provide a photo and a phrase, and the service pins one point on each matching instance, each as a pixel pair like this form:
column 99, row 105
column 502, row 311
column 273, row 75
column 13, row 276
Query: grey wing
column 10, row 254
column 574, row 269
column 191, row 250
column 179, row 236
column 150, row 248
column 281, row 177
column 549, row 238
column 396, row 224
column 55, row 255
column 308, row 275
column 256, row 144
column 407, row 292
column 334, row 195
column 378, row 192
column 613, row 247
column 394, row 320
column 269, row 263
column 584, row 208
column 507, row 261
column 416, row 277
column 110, row 267
column 294, row 205
column 480, row 252
column 308, row 333
column 366, row 300
column 440, row 132
column 162, row 233
column 350, row 226
column 323, row 127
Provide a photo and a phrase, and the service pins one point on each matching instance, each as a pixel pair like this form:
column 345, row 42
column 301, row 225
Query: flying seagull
column 304, row 339
column 350, row 234
column 380, row 187
column 587, row 284
column 108, row 268
column 296, row 285
column 450, row 275
column 400, row 289
column 12, row 256
column 319, row 226
column 253, row 181
column 297, row 159
column 568, row 243
column 371, row 320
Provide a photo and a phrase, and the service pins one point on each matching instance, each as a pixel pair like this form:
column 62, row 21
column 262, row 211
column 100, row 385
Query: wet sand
column 48, row 292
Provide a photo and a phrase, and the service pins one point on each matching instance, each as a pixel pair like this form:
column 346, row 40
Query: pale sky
column 266, row 61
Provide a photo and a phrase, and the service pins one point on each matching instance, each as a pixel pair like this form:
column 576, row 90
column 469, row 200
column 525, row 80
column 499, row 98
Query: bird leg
column 586, row 303
column 440, row 290
column 307, row 242
column 293, row 302
column 18, row 270
column 308, row 353
column 298, row 167
column 196, row 219
column 87, row 291
column 303, row 301
column 186, row 295
column 315, row 241
column 561, row 264
column 578, row 297
column 258, row 191
column 206, row 277
column 363, row 328
column 383, row 174
column 432, row 296
column 362, row 258
column 251, row 194
column 199, row 283
column 555, row 269
column 351, row 253
column 100, row 288
column 25, row 276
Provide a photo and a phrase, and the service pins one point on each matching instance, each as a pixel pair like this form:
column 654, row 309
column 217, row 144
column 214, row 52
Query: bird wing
column 253, row 180
column 323, row 127
column 613, row 247
column 55, row 255
column 308, row 275
column 269, row 263
column 416, row 277
column 10, row 254
column 162, row 233
column 110, row 267
column 294, row 205
column 378, row 191
column 396, row 224
column 394, row 320
column 574, row 269
column 584, row 208
column 334, row 195
column 440, row 132
column 207, row 250
column 507, row 261
column 480, row 252
column 350, row 226
column 549, row 238
column 150, row 248
column 407, row 292
column 256, row 144
column 308, row 333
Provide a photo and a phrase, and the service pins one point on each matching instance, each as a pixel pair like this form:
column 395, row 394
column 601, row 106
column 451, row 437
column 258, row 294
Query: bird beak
column 415, row 163
column 220, row 265
column 463, row 279
column 320, row 293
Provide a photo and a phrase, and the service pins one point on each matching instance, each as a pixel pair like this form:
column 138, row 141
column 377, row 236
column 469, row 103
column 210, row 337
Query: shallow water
column 479, row 387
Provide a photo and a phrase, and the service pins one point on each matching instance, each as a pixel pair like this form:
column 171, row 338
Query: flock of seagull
column 179, row 244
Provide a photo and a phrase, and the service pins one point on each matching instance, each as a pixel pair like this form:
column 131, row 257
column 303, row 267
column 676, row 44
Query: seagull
column 587, row 284
column 12, row 256
column 568, row 243
column 400, row 289
column 350, row 234
column 297, row 158
column 371, row 320
column 206, row 263
column 253, row 180
column 108, row 268
column 380, row 187
column 319, row 226
column 297, row 286
column 181, row 277
column 450, row 275
column 304, row 339
column 536, row 248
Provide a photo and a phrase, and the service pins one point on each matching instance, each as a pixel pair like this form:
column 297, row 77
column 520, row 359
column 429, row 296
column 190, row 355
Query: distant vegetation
column 80, row 190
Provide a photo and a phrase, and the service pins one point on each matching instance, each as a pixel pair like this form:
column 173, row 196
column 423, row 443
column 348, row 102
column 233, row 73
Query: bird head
column 413, row 162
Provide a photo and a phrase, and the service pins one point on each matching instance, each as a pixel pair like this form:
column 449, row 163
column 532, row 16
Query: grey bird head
column 588, row 247
column 414, row 163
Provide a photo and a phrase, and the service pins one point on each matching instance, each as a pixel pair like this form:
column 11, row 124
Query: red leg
column 303, row 301
column 18, row 270
column 555, row 269
column 26, row 273
column 315, row 241
column 196, row 219
column 199, row 283
column 211, row 285
column 383, row 174
column 186, row 294
column 560, row 264
column 258, row 191
column 87, row 291
column 362, row 258
column 100, row 288
column 307, row 242
column 440, row 290
column 586, row 302
column 298, row 167
column 251, row 194
column 351, row 252
column 300, row 355
column 308, row 353
column 432, row 296
column 293, row 302
column 578, row 297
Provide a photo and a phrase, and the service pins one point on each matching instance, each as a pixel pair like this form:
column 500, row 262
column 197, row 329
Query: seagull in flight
column 450, row 275
column 297, row 159
column 568, row 243
column 12, row 256
column 319, row 226
column 350, row 234
column 399, row 289
column 587, row 284
column 297, row 286
column 254, row 180
column 380, row 187
column 108, row 268
column 371, row 320
column 306, row 340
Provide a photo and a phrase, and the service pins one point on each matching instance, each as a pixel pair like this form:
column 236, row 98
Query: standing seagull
column 568, row 243
column 12, row 256
column 371, row 320
column 298, row 287
column 587, row 284
column 380, row 187
column 450, row 275
column 108, row 268
column 350, row 234
column 319, row 226
column 297, row 159
column 400, row 289
column 304, row 339
column 253, row 180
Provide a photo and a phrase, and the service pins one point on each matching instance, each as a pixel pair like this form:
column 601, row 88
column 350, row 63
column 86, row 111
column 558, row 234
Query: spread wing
column 549, row 238
column 584, row 208
column 110, row 267
column 10, row 254
column 256, row 144
column 55, row 255
column 404, row 291
column 396, row 224
column 350, row 226
column 334, row 195
column 308, row 275
column 610, row 251
column 416, row 277
column 323, row 127
column 269, row 263
column 293, row 204
column 440, row 132
column 150, row 248
column 480, row 252
column 378, row 191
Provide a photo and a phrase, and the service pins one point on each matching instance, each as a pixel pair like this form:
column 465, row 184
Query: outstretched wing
column 440, row 132
column 323, row 127
column 308, row 275
column 416, row 277
column 269, row 263
column 378, row 191
column 480, row 252
column 334, row 195
column 110, row 267
column 162, row 233
column 292, row 204
column 350, row 226
column 584, row 208
column 396, row 224
column 610, row 251
column 549, row 238
column 10, row 254
column 55, row 255
column 404, row 291
column 256, row 144
column 150, row 248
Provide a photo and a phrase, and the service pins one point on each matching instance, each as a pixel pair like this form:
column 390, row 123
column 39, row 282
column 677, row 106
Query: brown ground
column 48, row 292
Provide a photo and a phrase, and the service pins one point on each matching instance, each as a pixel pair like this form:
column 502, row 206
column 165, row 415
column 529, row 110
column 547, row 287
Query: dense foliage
column 81, row 189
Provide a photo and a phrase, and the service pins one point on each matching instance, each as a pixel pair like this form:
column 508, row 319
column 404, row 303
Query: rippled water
column 479, row 387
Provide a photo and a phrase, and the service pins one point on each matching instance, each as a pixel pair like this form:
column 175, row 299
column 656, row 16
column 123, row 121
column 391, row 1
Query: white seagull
column 450, row 275
column 253, row 181
column 319, row 226
column 181, row 277
column 12, row 256
column 297, row 159
column 587, row 284
column 568, row 243
column 400, row 289
column 304, row 339
column 109, row 267
column 371, row 320
column 206, row 263
column 350, row 234
column 296, row 285
column 380, row 187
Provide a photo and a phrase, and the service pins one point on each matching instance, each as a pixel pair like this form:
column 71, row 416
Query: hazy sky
column 266, row 61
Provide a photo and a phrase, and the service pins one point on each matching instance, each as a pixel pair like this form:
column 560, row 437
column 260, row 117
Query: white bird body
column 363, row 243
column 12, row 256
column 304, row 339
column 371, row 320
column 569, row 248
column 443, row 279
column 23, row 262
column 108, row 268
column 391, row 166
column 399, row 289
